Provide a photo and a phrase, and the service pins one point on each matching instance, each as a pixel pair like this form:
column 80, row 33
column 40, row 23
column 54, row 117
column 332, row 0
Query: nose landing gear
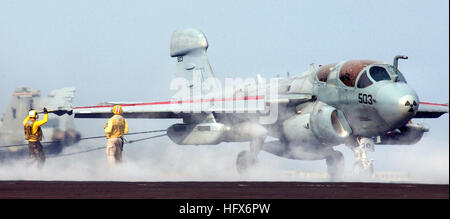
column 363, row 166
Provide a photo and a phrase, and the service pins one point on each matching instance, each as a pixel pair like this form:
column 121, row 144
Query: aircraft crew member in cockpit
column 115, row 128
column 33, row 133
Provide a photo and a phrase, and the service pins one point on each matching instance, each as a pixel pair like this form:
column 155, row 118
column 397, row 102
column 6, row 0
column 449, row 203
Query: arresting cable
column 86, row 138
column 99, row 148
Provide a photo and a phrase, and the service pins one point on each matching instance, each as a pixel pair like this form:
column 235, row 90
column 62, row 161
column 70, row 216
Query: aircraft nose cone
column 408, row 104
column 396, row 103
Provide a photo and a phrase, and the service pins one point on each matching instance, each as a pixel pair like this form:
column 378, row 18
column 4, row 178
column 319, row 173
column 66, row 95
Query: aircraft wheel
column 244, row 161
column 363, row 171
column 71, row 137
column 68, row 139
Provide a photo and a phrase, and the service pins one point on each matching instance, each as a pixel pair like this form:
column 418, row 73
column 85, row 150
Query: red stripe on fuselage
column 433, row 104
column 22, row 94
column 179, row 102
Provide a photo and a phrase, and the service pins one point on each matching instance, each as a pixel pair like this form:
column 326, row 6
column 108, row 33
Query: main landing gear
column 247, row 159
column 335, row 166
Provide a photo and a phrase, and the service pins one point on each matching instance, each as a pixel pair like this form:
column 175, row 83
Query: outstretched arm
column 38, row 124
column 26, row 120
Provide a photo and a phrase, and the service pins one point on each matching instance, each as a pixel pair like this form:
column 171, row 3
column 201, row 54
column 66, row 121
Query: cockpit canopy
column 324, row 71
column 380, row 72
column 350, row 70
column 361, row 73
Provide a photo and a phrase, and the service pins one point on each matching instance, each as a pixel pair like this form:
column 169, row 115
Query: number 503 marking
column 365, row 98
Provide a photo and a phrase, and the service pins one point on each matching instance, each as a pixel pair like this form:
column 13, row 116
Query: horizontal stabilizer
column 187, row 41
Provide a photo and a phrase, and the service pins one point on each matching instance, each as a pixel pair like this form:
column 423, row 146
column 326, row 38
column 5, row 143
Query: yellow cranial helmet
column 32, row 114
column 117, row 109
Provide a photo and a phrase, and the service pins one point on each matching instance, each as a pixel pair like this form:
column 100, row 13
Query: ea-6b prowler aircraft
column 359, row 103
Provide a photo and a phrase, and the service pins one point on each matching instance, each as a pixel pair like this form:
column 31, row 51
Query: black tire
column 359, row 171
column 68, row 139
column 244, row 161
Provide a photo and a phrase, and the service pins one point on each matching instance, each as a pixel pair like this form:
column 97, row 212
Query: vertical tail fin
column 189, row 46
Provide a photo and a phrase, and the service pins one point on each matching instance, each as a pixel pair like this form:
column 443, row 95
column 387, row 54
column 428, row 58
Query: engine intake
column 328, row 123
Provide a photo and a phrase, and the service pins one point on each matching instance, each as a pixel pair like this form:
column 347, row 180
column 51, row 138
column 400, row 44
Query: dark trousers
column 36, row 152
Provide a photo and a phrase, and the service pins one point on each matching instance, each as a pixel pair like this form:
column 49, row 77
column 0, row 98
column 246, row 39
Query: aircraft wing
column 179, row 109
column 176, row 109
column 431, row 110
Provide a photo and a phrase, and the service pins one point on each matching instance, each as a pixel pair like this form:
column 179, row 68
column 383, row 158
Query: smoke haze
column 160, row 160
column 119, row 51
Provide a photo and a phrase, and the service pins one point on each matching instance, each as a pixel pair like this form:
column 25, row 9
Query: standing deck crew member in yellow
column 33, row 133
column 116, row 127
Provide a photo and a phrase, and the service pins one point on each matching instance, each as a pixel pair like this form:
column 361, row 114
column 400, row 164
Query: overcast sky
column 119, row 50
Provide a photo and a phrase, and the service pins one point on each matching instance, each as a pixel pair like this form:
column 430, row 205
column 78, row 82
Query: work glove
column 45, row 110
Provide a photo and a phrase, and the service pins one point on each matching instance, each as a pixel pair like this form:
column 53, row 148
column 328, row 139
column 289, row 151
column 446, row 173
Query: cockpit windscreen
column 379, row 73
column 364, row 81
column 400, row 78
